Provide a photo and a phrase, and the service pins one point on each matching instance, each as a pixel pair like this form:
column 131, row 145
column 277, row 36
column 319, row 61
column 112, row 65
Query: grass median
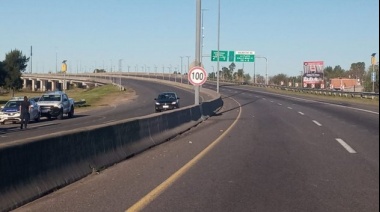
column 94, row 97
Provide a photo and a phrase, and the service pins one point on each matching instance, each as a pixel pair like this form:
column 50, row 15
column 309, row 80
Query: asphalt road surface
column 261, row 152
column 140, row 105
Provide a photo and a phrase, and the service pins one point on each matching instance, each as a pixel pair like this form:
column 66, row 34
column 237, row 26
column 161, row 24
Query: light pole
column 155, row 70
column 203, row 36
column 213, row 74
column 181, row 68
column 56, row 60
column 373, row 77
column 120, row 64
column 217, row 66
column 254, row 72
column 163, row 72
column 266, row 69
column 64, row 69
column 188, row 67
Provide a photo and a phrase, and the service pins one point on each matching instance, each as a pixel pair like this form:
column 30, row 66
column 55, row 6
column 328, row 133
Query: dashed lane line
column 346, row 146
column 317, row 123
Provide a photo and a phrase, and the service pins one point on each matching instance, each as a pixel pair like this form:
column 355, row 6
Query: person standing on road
column 24, row 112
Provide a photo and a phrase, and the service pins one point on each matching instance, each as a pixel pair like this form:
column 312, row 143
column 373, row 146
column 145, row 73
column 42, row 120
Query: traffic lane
column 275, row 160
column 120, row 186
column 263, row 90
column 142, row 104
column 356, row 126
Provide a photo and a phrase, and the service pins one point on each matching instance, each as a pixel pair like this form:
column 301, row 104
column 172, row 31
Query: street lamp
column 217, row 67
column 203, row 36
column 213, row 74
column 64, row 69
column 373, row 78
column 266, row 69
column 181, row 68
column 188, row 67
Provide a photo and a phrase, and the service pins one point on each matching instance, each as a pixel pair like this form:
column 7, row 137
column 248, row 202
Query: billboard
column 313, row 73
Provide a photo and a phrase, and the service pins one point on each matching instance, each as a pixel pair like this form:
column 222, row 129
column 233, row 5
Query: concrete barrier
column 34, row 167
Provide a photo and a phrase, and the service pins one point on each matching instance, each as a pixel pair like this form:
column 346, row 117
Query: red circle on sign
column 197, row 76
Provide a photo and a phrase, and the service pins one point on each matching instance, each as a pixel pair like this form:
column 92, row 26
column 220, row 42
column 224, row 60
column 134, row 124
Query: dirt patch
column 110, row 100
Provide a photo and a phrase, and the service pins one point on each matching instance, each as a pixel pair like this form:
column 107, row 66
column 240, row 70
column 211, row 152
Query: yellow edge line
column 143, row 202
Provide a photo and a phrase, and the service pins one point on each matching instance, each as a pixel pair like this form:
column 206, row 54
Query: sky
column 153, row 35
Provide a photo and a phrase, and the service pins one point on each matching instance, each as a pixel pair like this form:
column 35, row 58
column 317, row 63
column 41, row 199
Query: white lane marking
column 279, row 104
column 346, row 146
column 264, row 99
column 271, row 101
column 317, row 123
column 290, row 108
column 301, row 113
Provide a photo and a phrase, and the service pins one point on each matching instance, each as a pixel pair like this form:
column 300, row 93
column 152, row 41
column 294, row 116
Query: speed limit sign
column 197, row 76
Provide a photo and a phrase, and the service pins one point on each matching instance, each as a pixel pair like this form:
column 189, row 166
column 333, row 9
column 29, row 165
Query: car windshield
column 50, row 98
column 166, row 96
column 13, row 104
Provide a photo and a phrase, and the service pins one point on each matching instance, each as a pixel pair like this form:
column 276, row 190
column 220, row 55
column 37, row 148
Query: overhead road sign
column 244, row 56
column 197, row 76
column 222, row 55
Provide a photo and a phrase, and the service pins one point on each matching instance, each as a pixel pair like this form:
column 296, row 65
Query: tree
column 226, row 73
column 260, row 79
column 278, row 78
column 2, row 74
column 14, row 64
column 357, row 70
column 335, row 72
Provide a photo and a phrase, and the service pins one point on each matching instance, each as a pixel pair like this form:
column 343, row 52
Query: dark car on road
column 166, row 101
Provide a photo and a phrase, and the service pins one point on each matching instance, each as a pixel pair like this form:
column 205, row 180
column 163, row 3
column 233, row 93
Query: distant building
column 346, row 84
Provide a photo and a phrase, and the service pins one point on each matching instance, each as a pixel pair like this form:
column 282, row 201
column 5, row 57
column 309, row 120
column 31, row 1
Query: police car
column 10, row 112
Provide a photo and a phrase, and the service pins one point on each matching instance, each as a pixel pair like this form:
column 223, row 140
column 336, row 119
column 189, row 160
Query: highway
column 261, row 152
column 140, row 105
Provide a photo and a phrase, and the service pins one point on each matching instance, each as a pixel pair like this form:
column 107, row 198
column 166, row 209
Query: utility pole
column 197, row 45
column 218, row 60
column 188, row 67
column 373, row 77
column 181, row 68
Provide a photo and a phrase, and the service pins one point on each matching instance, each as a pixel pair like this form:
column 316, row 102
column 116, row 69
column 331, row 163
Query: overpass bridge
column 46, row 82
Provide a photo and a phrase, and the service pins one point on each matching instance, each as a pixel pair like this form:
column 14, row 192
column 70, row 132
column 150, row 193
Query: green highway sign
column 222, row 55
column 245, row 56
column 231, row 56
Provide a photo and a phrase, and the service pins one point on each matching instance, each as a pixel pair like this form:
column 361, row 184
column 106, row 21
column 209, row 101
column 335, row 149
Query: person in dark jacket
column 24, row 112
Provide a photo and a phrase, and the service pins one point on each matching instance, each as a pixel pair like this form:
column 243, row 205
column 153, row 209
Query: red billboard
column 313, row 73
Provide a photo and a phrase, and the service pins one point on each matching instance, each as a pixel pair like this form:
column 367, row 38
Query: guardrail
column 326, row 92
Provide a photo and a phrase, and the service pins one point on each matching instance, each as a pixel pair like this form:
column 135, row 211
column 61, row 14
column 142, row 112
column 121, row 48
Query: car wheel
column 37, row 119
column 60, row 115
column 71, row 113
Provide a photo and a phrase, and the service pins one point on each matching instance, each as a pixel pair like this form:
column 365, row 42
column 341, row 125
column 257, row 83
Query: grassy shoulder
column 94, row 97
column 337, row 99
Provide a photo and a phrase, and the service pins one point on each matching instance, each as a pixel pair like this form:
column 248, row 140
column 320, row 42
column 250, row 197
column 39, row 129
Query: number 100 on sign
column 197, row 76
